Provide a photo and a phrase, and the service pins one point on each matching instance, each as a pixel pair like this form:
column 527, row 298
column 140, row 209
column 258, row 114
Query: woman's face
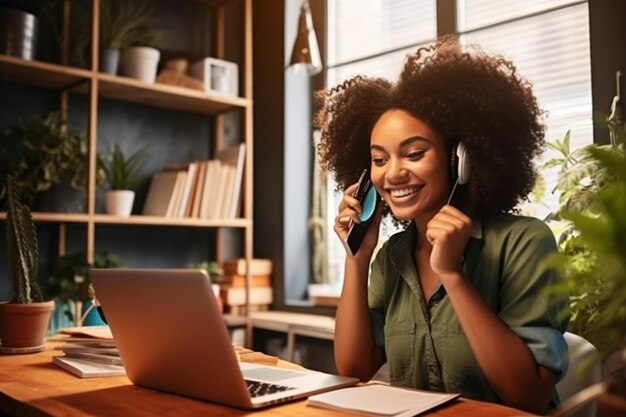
column 409, row 166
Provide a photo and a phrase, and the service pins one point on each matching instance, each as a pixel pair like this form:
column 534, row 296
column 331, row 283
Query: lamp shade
column 305, row 56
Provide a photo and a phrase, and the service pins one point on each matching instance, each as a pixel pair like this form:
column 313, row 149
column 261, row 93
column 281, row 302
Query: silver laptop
column 172, row 337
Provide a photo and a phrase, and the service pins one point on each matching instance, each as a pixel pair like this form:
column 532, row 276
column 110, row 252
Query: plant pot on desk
column 23, row 327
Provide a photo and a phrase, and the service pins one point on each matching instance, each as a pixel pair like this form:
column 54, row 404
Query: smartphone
column 368, row 197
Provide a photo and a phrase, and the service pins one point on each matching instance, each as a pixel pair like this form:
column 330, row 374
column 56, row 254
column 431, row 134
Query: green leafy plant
column 40, row 152
column 592, row 259
column 70, row 277
column 22, row 248
column 123, row 172
column 123, row 23
column 212, row 268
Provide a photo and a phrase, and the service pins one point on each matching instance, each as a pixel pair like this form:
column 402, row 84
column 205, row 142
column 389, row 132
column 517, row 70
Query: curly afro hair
column 466, row 95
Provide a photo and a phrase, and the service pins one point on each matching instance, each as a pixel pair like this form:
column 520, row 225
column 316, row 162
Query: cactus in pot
column 23, row 319
column 22, row 249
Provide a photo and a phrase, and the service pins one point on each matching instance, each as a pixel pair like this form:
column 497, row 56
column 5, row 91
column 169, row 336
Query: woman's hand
column 448, row 233
column 348, row 213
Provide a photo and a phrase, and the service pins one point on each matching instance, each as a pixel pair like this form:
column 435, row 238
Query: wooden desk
column 30, row 385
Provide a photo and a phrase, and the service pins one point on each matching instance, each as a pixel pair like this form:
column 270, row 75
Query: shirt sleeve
column 548, row 346
column 529, row 305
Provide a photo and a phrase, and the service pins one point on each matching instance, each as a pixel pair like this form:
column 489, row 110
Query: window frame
column 606, row 28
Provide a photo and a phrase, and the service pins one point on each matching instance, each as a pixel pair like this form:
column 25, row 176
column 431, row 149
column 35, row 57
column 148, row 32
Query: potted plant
column 122, row 25
column 592, row 258
column 23, row 319
column 41, row 153
column 123, row 175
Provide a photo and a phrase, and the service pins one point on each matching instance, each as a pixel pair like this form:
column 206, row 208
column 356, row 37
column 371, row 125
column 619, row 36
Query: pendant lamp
column 305, row 56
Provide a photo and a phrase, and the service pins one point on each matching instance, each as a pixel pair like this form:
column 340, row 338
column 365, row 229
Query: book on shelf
column 210, row 183
column 381, row 400
column 236, row 296
column 238, row 280
column 258, row 266
column 232, row 162
column 159, row 198
column 184, row 209
column 242, row 309
column 199, row 186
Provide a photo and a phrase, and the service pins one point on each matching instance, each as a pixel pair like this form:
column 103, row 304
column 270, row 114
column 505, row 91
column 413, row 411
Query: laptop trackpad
column 269, row 374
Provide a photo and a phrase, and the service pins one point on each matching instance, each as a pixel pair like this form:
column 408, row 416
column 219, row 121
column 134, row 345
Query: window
column 548, row 41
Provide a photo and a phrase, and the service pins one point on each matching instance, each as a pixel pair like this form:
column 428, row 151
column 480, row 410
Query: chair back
column 585, row 369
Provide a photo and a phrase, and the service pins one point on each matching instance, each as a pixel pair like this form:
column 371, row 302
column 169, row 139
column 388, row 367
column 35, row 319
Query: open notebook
column 171, row 337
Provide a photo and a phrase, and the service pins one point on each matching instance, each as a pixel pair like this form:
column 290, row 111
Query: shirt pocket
column 400, row 351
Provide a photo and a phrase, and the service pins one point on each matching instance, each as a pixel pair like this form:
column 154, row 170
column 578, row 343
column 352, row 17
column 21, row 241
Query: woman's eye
column 415, row 155
column 378, row 161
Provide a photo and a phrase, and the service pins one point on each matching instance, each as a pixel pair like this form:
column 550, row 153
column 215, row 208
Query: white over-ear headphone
column 459, row 164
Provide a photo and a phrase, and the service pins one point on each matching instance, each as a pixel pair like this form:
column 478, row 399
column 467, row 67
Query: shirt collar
column 405, row 242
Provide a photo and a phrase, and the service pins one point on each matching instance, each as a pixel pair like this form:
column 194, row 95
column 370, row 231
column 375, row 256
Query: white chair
column 585, row 369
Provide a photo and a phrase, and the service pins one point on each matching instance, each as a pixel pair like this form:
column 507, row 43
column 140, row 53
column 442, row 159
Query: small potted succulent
column 123, row 24
column 24, row 318
column 123, row 175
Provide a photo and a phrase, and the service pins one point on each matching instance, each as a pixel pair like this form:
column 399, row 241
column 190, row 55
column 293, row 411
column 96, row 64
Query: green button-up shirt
column 424, row 343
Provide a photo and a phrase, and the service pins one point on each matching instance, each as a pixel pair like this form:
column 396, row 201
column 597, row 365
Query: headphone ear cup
column 463, row 165
column 454, row 165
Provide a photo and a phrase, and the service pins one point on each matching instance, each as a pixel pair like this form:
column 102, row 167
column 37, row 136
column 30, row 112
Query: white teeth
column 403, row 192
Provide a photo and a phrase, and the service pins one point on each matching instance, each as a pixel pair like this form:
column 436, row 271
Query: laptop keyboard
column 258, row 389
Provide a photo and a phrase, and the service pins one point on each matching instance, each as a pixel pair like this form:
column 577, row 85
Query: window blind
column 547, row 39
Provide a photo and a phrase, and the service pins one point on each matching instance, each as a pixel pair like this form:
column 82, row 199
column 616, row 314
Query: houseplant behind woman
column 24, row 319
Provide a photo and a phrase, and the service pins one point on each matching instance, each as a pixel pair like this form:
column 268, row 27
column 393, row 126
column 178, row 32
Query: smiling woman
column 449, row 301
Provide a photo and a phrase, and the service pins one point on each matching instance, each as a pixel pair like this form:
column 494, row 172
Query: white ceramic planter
column 119, row 202
column 141, row 62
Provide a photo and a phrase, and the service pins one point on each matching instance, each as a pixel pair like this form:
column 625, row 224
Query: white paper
column 380, row 400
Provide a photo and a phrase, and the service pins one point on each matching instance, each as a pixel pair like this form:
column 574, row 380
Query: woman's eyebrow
column 405, row 142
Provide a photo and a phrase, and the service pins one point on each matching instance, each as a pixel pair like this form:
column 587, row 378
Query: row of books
column 204, row 189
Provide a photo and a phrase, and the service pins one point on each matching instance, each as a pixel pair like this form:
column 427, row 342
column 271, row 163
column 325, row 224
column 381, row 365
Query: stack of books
column 209, row 189
column 89, row 352
column 233, row 285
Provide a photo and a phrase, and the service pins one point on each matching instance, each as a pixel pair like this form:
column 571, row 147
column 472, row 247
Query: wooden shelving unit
column 95, row 85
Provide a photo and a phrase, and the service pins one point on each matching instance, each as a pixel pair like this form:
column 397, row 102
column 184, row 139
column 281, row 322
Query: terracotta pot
column 24, row 326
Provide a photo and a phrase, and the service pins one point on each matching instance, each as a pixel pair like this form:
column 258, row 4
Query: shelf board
column 166, row 96
column 41, row 74
column 59, row 77
column 137, row 220
column 52, row 217
column 140, row 220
